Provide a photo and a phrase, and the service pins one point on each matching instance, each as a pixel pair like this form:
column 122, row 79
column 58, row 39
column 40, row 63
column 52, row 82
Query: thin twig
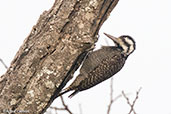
column 117, row 97
column 3, row 63
column 128, row 102
column 56, row 109
column 111, row 96
column 65, row 106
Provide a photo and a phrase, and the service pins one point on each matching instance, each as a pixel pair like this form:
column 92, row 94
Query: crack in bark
column 70, row 16
column 105, row 13
column 25, row 92
column 28, row 82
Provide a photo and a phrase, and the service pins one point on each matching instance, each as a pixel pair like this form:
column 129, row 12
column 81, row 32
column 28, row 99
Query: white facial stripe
column 131, row 43
column 127, row 44
column 125, row 48
column 131, row 49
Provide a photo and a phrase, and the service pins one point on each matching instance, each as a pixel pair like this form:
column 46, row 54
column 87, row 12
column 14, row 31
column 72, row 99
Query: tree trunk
column 51, row 53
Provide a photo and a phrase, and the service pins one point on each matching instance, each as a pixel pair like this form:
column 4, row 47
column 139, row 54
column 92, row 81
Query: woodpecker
column 102, row 64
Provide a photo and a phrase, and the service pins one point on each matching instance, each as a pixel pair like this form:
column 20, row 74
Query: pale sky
column 149, row 67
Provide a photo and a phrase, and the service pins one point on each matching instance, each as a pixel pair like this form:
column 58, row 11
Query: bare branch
column 111, row 96
column 137, row 93
column 3, row 63
column 128, row 102
column 117, row 97
column 65, row 106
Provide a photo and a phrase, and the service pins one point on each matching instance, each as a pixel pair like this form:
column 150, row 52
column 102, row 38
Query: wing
column 94, row 58
column 106, row 69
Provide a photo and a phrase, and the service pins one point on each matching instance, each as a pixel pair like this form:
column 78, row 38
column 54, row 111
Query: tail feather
column 74, row 93
column 67, row 90
column 64, row 91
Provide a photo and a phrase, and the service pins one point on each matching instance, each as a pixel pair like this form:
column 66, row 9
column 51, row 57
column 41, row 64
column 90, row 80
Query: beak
column 115, row 39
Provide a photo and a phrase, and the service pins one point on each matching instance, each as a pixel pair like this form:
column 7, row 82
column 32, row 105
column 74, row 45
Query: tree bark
column 51, row 53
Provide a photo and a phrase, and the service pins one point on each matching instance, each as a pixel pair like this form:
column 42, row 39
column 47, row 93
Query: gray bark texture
column 51, row 53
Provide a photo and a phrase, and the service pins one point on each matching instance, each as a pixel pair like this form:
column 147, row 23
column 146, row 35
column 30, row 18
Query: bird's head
column 125, row 43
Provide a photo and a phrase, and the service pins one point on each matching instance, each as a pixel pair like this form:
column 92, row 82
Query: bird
column 102, row 64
